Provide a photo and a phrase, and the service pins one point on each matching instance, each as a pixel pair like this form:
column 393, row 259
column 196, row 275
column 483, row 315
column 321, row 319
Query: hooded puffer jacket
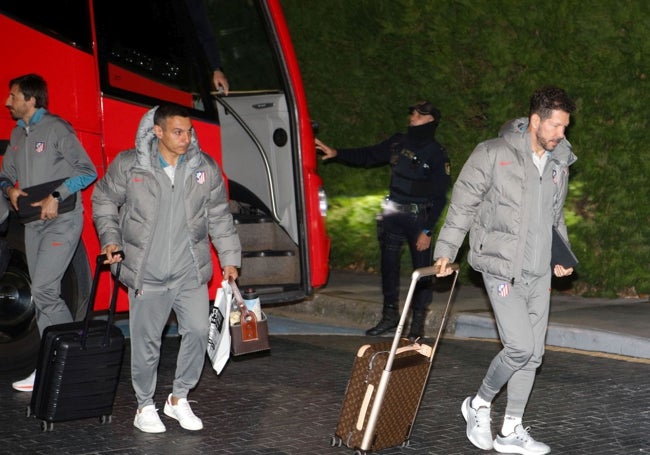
column 125, row 208
column 491, row 201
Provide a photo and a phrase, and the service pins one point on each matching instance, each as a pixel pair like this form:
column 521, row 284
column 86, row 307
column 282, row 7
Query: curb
column 561, row 335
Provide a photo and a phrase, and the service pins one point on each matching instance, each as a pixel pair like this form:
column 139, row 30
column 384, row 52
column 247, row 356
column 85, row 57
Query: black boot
column 389, row 321
column 417, row 325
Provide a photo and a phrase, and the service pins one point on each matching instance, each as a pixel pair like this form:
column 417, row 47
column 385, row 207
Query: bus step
column 269, row 267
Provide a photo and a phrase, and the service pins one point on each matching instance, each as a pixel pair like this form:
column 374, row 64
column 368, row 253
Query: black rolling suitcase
column 387, row 384
column 79, row 365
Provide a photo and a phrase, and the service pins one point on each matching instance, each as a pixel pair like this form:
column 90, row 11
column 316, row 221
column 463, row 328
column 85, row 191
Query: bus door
column 260, row 152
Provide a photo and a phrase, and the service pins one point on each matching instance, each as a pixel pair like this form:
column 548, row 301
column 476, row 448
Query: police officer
column 420, row 179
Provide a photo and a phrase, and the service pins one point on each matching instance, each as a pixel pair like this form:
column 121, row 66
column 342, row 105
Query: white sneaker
column 25, row 385
column 183, row 413
column 147, row 420
column 478, row 421
column 521, row 442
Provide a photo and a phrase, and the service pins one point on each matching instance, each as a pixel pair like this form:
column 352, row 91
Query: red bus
column 106, row 63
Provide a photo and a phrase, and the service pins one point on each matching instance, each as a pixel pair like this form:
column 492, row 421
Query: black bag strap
column 99, row 265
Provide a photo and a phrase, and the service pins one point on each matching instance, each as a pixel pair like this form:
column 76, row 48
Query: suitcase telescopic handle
column 104, row 257
column 434, row 269
column 99, row 265
column 415, row 277
column 385, row 375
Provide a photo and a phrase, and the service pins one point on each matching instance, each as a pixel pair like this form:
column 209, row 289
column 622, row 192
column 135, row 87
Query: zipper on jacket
column 540, row 197
column 169, row 243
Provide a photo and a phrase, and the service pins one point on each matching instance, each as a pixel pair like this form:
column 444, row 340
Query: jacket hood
column 516, row 133
column 146, row 140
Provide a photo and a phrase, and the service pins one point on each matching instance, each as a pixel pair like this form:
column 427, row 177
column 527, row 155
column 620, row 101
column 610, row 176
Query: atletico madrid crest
column 503, row 289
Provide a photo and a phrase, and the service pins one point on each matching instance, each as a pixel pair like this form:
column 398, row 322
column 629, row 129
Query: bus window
column 66, row 20
column 151, row 53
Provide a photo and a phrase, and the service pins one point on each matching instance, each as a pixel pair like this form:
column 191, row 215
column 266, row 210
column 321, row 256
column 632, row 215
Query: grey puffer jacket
column 489, row 200
column 125, row 208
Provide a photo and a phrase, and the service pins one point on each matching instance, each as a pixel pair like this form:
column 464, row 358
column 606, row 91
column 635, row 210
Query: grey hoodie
column 508, row 209
column 126, row 208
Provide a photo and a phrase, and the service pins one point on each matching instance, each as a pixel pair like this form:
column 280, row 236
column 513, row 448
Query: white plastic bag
column 219, row 335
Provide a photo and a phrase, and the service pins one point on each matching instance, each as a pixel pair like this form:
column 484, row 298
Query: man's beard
column 546, row 144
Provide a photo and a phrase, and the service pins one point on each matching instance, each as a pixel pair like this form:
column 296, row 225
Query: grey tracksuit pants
column 521, row 312
column 148, row 314
column 49, row 247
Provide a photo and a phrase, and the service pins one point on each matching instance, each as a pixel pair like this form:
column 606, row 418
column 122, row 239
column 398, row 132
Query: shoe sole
column 23, row 389
column 507, row 448
column 150, row 431
column 463, row 410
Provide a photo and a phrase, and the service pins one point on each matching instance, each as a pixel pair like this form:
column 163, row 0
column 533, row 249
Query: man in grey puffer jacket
column 161, row 203
column 509, row 196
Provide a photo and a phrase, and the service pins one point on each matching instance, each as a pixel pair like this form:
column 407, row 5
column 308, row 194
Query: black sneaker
column 384, row 326
column 416, row 331
column 415, row 334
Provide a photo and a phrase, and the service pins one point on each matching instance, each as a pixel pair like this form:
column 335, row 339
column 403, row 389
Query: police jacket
column 420, row 169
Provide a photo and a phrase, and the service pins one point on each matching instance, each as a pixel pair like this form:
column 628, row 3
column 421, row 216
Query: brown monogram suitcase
column 387, row 384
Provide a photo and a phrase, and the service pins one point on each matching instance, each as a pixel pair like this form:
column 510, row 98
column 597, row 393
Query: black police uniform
column 420, row 179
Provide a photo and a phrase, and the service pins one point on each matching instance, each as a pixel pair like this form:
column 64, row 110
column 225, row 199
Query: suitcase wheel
column 106, row 419
column 335, row 442
column 359, row 452
column 47, row 426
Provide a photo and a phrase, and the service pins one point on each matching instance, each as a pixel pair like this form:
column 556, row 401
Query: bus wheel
column 19, row 338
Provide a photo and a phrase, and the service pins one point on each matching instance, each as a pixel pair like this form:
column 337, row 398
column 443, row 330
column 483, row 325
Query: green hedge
column 364, row 61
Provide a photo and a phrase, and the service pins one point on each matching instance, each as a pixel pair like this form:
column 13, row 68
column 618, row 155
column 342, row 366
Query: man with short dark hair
column 162, row 203
column 510, row 195
column 420, row 178
column 44, row 148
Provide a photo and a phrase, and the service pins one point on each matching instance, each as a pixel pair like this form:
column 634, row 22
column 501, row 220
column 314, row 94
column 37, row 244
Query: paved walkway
column 288, row 403
column 353, row 300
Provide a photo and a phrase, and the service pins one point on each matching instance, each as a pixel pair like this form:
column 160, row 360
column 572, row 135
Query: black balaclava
column 422, row 133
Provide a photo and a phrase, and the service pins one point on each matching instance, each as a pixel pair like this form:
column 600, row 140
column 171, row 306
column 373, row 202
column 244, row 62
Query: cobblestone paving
column 288, row 403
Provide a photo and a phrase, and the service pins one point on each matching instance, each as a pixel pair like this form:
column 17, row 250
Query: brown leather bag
column 248, row 335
